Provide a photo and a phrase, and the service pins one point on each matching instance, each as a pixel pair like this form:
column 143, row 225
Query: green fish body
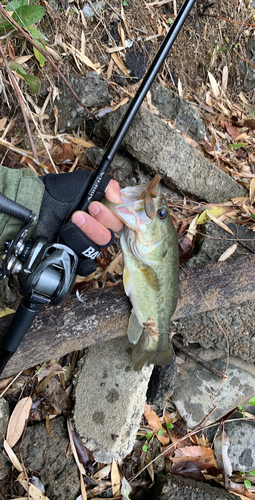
column 151, row 267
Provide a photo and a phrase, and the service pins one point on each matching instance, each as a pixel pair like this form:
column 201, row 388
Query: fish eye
column 162, row 213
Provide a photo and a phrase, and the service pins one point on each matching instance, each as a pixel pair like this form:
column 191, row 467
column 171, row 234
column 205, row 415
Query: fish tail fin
column 159, row 357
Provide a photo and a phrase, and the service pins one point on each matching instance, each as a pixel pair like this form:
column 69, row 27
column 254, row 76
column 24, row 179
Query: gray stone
column 195, row 388
column 242, row 445
column 4, row 417
column 91, row 90
column 109, row 398
column 120, row 168
column 173, row 487
column 165, row 152
column 89, row 12
column 236, row 320
column 175, row 107
column 47, row 456
column 247, row 70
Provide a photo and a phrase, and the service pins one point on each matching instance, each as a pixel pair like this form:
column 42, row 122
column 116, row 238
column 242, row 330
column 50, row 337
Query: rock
column 173, row 487
column 242, row 445
column 161, row 384
column 109, row 398
column 89, row 12
column 165, row 152
column 91, row 90
column 4, row 417
column 247, row 70
column 192, row 396
column 120, row 168
column 236, row 320
column 59, row 474
column 174, row 107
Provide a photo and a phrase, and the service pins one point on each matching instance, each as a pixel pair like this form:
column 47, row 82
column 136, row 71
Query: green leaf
column 252, row 401
column 125, row 3
column 18, row 68
column 148, row 435
column 241, row 409
column 15, row 4
column 160, row 432
column 170, row 20
column 238, row 145
column 252, row 473
column 28, row 14
column 32, row 81
column 145, row 447
column 247, row 483
column 169, row 426
column 38, row 36
column 253, row 216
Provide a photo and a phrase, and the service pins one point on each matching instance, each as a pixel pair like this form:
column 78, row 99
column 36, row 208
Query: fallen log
column 104, row 313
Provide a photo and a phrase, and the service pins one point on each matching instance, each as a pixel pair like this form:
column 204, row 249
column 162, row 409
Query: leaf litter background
column 203, row 68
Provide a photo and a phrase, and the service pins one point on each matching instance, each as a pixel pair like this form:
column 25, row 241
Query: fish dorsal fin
column 151, row 277
column 134, row 329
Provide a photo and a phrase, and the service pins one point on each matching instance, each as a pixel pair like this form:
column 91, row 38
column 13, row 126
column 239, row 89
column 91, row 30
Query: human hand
column 100, row 219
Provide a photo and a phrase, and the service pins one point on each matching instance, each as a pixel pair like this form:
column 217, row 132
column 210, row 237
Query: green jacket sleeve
column 24, row 187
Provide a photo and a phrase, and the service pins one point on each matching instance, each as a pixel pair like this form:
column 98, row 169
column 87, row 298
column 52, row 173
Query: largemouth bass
column 151, row 267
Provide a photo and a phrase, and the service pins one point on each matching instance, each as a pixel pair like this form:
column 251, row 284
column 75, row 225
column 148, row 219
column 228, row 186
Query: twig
column 228, row 20
column 16, row 88
column 198, row 360
column 44, row 53
column 21, row 458
column 244, row 58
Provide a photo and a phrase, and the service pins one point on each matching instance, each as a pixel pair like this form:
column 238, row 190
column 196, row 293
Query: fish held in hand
column 151, row 268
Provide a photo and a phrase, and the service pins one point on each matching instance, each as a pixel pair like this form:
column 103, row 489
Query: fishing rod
column 47, row 271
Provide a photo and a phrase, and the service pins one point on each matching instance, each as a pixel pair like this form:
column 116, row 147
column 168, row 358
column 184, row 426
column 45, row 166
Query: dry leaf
column 102, row 473
column 82, row 57
column 193, row 454
column 228, row 252
column 125, row 489
column 221, row 446
column 3, row 122
column 15, row 461
column 214, row 85
column 219, row 223
column 34, row 492
column 121, row 103
column 252, row 191
column 109, row 70
column 180, row 87
column 120, row 65
column 115, row 479
column 224, row 83
column 83, row 489
column 243, row 98
column 78, row 463
column 155, row 424
column 17, row 420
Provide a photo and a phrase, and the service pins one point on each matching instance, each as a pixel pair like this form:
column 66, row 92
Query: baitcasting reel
column 46, row 272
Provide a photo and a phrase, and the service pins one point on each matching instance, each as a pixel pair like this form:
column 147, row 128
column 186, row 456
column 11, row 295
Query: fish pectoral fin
column 126, row 281
column 134, row 329
column 151, row 277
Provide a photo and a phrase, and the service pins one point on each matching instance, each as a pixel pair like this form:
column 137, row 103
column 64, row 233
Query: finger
column 92, row 228
column 104, row 215
column 112, row 192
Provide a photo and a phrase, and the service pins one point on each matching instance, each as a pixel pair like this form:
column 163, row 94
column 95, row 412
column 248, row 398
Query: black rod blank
column 135, row 104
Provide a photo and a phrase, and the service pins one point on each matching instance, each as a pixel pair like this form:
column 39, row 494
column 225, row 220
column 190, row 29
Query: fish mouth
column 139, row 204
column 148, row 194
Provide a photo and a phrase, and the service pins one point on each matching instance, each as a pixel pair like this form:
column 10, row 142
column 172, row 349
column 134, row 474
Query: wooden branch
column 104, row 313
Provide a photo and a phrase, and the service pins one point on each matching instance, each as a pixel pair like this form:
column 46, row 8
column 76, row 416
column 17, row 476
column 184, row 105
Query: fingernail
column 94, row 209
column 79, row 219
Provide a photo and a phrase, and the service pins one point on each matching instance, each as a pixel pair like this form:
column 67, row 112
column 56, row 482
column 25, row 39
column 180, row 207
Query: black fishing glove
column 61, row 198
